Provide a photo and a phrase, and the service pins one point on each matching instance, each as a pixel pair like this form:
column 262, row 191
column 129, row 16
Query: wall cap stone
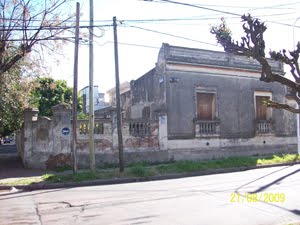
column 31, row 110
column 61, row 107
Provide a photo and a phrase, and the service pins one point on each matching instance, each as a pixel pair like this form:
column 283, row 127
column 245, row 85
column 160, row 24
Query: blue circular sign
column 65, row 131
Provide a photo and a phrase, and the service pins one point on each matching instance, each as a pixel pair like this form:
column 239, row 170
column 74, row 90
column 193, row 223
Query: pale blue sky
column 137, row 60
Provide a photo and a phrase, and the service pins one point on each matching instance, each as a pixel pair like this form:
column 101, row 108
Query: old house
column 213, row 100
column 194, row 104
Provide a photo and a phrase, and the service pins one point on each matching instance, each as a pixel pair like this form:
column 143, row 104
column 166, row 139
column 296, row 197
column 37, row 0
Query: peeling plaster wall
column 45, row 145
column 234, row 80
column 172, row 85
column 148, row 96
column 153, row 147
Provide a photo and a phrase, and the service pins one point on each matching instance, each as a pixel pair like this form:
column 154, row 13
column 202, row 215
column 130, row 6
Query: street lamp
column 298, row 116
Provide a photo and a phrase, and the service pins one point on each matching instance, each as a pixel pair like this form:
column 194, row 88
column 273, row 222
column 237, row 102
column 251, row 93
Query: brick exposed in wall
column 57, row 161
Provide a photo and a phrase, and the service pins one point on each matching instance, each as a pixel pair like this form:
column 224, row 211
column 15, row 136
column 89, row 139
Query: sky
column 144, row 25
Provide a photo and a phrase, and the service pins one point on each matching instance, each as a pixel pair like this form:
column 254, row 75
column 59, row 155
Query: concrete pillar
column 30, row 115
column 163, row 132
column 62, row 128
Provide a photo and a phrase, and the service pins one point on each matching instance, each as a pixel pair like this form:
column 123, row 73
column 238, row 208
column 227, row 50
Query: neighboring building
column 124, row 87
column 99, row 101
column 125, row 98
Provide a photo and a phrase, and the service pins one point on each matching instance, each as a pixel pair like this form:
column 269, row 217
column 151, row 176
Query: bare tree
column 24, row 23
column 26, row 26
column 253, row 45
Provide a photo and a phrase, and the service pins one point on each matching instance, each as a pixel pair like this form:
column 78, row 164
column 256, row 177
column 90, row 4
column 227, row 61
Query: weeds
column 140, row 170
column 146, row 170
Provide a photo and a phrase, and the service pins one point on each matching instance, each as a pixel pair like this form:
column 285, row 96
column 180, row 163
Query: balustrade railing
column 137, row 128
column 83, row 126
column 263, row 127
column 207, row 128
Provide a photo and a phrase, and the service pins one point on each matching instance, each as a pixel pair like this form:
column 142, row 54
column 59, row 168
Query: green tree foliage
column 253, row 45
column 13, row 99
column 48, row 93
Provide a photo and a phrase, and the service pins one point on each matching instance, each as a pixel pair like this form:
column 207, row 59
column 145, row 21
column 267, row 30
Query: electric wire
column 129, row 44
column 171, row 35
column 202, row 6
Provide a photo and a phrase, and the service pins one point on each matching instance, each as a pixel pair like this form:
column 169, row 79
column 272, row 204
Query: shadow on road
column 264, row 187
column 260, row 178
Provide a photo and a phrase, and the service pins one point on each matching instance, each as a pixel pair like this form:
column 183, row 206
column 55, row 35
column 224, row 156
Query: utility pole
column 91, row 89
column 119, row 126
column 75, row 83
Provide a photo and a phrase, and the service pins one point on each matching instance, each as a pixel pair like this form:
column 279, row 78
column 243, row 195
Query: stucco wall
column 234, row 104
column 211, row 148
column 233, row 78
column 46, row 146
column 170, row 88
column 42, row 149
column 148, row 93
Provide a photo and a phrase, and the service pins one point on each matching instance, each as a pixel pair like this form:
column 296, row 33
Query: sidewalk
column 11, row 166
column 20, row 172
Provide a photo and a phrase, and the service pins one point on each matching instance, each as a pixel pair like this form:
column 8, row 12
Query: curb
column 43, row 186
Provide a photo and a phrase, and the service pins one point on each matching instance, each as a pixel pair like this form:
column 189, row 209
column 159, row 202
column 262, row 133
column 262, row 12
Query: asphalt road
column 213, row 199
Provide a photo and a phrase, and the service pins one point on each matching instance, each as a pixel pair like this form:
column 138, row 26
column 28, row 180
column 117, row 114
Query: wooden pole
column 75, row 84
column 119, row 126
column 91, row 90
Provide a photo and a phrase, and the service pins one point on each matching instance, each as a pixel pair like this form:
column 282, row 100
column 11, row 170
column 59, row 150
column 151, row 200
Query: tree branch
column 253, row 45
column 25, row 14
column 287, row 107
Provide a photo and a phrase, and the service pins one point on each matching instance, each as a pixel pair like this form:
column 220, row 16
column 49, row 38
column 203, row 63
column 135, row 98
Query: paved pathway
column 11, row 165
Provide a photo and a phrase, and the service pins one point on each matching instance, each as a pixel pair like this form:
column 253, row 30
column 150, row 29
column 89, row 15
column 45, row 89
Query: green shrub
column 139, row 170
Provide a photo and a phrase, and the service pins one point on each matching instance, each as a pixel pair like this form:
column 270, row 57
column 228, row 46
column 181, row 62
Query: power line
column 171, row 35
column 285, row 24
column 45, row 39
column 274, row 6
column 130, row 44
column 36, row 28
column 220, row 11
column 192, row 19
column 54, row 21
column 32, row 27
column 241, row 7
column 199, row 7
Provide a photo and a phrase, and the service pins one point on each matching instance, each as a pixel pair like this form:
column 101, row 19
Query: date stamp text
column 257, row 197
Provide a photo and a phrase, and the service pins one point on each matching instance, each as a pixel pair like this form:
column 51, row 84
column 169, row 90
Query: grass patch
column 192, row 166
column 275, row 159
column 147, row 170
column 22, row 181
column 81, row 176
column 63, row 168
column 140, row 170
